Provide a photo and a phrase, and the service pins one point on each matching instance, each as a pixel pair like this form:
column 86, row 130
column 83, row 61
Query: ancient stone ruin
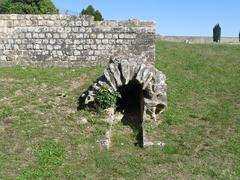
column 62, row 40
column 143, row 94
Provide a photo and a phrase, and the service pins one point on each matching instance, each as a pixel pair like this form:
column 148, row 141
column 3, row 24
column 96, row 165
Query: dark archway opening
column 131, row 106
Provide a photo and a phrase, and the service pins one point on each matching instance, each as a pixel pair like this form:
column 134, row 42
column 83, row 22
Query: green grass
column 201, row 127
column 50, row 156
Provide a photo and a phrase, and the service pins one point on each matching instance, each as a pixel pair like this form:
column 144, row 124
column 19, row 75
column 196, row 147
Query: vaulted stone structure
column 142, row 86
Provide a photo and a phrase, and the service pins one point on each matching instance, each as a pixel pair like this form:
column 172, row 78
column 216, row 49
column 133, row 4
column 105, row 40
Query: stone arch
column 120, row 72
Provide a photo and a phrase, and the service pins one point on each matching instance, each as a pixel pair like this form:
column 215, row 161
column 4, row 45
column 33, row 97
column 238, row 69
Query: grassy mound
column 41, row 136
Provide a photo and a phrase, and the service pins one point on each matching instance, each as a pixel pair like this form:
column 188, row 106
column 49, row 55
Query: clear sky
column 172, row 17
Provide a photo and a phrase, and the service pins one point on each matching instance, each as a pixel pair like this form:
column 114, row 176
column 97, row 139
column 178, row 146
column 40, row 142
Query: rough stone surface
column 82, row 120
column 63, row 40
column 106, row 140
column 120, row 71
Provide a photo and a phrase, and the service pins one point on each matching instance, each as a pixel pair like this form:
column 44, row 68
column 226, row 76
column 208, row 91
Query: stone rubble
column 82, row 120
column 106, row 140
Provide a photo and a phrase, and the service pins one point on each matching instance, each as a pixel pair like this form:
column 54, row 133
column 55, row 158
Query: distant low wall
column 198, row 39
column 63, row 40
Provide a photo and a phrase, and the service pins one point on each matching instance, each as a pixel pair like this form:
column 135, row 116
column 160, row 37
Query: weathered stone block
column 56, row 47
column 67, row 29
column 90, row 52
column 41, row 35
column 52, row 41
column 75, row 29
column 77, row 53
column 28, row 35
column 105, row 41
column 78, row 23
column 101, row 47
column 121, row 36
column 85, row 23
column 79, row 47
column 98, row 41
column 48, row 35
column 108, row 36
column 71, row 23
column 100, row 36
column 94, row 46
column 56, row 35
column 69, row 41
column 79, row 35
column 86, row 46
column 59, row 53
column 49, row 47
column 35, row 35
column 85, row 35
column 36, row 46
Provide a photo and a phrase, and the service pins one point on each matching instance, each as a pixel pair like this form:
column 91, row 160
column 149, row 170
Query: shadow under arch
column 130, row 104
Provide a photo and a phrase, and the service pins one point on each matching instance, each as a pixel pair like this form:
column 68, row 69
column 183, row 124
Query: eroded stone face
column 121, row 71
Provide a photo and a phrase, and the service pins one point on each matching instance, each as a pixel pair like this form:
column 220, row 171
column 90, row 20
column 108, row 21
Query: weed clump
column 106, row 98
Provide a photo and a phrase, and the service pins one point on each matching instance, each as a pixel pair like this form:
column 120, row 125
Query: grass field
column 41, row 139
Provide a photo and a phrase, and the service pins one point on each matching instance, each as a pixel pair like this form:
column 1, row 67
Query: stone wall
column 199, row 39
column 63, row 40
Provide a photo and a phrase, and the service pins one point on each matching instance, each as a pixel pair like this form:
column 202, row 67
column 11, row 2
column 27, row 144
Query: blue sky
column 172, row 17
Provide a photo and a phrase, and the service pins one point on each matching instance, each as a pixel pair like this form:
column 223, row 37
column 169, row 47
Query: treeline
column 40, row 7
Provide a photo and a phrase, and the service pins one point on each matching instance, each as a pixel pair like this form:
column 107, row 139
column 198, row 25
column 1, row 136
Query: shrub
column 106, row 98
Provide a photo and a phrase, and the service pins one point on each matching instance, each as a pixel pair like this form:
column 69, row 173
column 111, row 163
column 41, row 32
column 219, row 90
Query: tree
column 216, row 33
column 27, row 7
column 239, row 36
column 98, row 16
column 4, row 6
column 92, row 12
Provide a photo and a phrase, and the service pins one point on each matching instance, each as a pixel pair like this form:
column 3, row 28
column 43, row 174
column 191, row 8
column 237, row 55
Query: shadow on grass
column 133, row 120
